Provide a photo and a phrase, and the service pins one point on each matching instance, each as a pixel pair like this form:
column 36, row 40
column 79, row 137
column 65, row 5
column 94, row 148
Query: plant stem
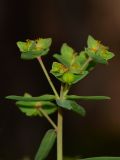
column 60, row 135
column 85, row 64
column 48, row 118
column 48, row 77
column 63, row 92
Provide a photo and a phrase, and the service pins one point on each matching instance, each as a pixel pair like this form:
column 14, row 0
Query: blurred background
column 68, row 21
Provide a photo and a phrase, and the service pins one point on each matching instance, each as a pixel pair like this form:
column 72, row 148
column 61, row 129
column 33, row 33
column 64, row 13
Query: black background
column 68, row 21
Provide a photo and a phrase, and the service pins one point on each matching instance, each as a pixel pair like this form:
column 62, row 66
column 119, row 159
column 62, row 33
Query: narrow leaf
column 46, row 97
column 33, row 108
column 102, row 158
column 75, row 97
column 46, row 145
column 93, row 158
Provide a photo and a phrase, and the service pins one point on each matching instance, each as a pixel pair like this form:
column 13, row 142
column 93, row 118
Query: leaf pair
column 98, row 52
column 70, row 104
column 32, row 106
column 34, row 48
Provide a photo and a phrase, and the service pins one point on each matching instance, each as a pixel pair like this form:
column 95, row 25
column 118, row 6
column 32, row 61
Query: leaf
column 78, row 108
column 43, row 43
column 60, row 59
column 46, row 97
column 29, row 111
column 67, row 53
column 102, row 158
column 81, row 58
column 107, row 55
column 91, row 42
column 71, row 105
column 33, row 108
column 96, row 56
column 64, row 104
column 80, row 77
column 29, row 45
column 93, row 158
column 46, row 145
column 33, row 54
column 58, row 69
column 75, row 97
column 98, row 52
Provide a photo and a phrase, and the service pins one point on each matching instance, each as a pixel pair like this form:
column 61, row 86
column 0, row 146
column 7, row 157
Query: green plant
column 70, row 69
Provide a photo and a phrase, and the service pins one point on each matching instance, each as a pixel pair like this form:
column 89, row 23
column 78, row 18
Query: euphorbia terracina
column 70, row 68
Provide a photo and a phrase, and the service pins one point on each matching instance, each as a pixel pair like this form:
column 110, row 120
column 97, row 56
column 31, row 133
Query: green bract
column 69, row 70
column 98, row 52
column 34, row 48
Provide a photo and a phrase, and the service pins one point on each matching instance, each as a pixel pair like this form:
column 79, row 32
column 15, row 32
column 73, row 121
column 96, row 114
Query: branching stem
column 48, row 77
column 48, row 118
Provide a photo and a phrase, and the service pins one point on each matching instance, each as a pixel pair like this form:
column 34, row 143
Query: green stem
column 85, row 64
column 48, row 77
column 60, row 135
column 63, row 92
column 48, row 118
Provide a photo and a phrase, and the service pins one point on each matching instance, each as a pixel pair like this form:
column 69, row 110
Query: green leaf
column 98, row 52
column 91, row 42
column 67, row 53
column 43, row 43
column 46, row 97
column 75, row 97
column 46, row 145
column 33, row 108
column 80, row 76
column 93, row 158
column 60, row 59
column 64, row 104
column 29, row 45
column 102, row 158
column 106, row 54
column 71, row 105
column 78, row 108
column 34, row 48
column 81, row 58
column 58, row 69
column 29, row 111
column 96, row 56
column 33, row 54
column 69, row 77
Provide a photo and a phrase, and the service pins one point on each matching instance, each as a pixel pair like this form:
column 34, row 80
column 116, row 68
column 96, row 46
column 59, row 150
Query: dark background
column 68, row 21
